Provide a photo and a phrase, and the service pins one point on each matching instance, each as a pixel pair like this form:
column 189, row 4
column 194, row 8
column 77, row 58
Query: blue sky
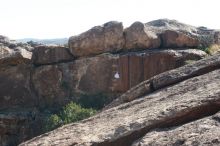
column 64, row 18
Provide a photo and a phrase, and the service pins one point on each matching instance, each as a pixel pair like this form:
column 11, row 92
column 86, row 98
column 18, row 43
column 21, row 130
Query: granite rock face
column 15, row 56
column 139, row 36
column 99, row 39
column 168, row 78
column 173, row 105
column 19, row 125
column 162, row 33
column 201, row 132
column 106, row 73
column 43, row 55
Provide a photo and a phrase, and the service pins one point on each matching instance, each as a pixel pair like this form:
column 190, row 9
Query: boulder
column 99, row 39
column 12, row 57
column 175, row 34
column 43, row 55
column 4, row 39
column 205, row 131
column 175, row 39
column 138, row 36
column 175, row 105
column 167, row 24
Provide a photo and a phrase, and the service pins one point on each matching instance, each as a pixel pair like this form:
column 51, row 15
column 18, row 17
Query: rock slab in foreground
column 205, row 132
column 189, row 100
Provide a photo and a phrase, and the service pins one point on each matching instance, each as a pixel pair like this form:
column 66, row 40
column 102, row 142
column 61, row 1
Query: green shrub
column 73, row 112
column 205, row 49
column 70, row 113
column 52, row 122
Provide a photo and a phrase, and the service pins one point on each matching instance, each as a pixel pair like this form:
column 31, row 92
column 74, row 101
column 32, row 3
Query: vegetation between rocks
column 211, row 50
column 72, row 112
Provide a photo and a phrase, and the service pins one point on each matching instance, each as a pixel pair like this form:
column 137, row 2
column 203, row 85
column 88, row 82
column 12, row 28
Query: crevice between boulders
column 32, row 87
column 176, row 119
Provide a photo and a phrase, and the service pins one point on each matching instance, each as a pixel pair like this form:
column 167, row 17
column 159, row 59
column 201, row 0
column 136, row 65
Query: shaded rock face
column 15, row 94
column 167, row 78
column 15, row 87
column 99, row 39
column 110, row 74
column 43, row 55
column 18, row 126
column 171, row 38
column 143, row 120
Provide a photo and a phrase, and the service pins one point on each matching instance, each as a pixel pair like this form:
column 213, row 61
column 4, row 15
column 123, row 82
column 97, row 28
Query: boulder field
column 157, row 75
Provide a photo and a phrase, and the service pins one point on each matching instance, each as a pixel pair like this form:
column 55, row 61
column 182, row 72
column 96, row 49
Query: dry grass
column 213, row 49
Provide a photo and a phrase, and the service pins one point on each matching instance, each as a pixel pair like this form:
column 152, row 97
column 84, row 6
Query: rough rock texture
column 175, row 39
column 18, row 125
column 15, row 77
column 15, row 87
column 204, row 132
column 138, row 36
column 162, row 33
column 99, row 39
column 15, row 56
column 56, row 84
column 168, row 78
column 43, row 55
column 175, row 105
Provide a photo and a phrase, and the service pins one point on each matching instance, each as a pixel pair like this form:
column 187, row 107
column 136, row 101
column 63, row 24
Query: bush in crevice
column 72, row 112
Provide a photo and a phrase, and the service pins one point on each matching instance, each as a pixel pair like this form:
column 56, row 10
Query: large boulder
column 14, row 56
column 175, row 39
column 175, row 34
column 138, row 36
column 15, row 71
column 51, row 54
column 99, row 39
column 175, row 105
column 168, row 78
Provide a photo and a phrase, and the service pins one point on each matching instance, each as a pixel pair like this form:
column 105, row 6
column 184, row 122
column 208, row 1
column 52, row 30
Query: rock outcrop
column 108, row 59
column 161, row 33
column 99, row 39
column 186, row 101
